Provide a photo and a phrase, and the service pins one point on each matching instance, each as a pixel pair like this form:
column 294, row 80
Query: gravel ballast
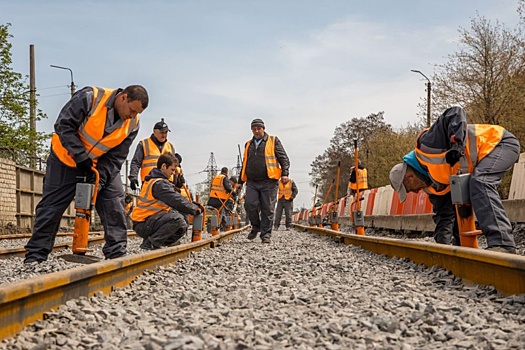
column 301, row 291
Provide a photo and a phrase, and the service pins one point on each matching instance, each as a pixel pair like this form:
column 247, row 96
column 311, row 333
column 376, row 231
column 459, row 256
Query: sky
column 211, row 66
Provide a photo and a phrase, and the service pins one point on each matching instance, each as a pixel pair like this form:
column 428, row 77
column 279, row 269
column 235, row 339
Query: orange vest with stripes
column 217, row 187
column 480, row 141
column 361, row 179
column 147, row 205
column 151, row 156
column 91, row 132
column 285, row 190
column 273, row 169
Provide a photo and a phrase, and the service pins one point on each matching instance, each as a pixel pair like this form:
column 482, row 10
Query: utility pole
column 32, row 106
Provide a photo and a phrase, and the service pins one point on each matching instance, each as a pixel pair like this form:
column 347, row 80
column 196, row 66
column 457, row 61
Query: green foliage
column 379, row 148
column 16, row 137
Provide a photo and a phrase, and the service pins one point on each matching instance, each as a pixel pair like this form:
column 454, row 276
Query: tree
column 341, row 149
column 486, row 76
column 18, row 141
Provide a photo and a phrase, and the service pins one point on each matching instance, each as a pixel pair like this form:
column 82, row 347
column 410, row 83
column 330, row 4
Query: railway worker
column 157, row 217
column 128, row 208
column 148, row 152
column 484, row 151
column 265, row 162
column 363, row 179
column 95, row 128
column 221, row 190
column 287, row 192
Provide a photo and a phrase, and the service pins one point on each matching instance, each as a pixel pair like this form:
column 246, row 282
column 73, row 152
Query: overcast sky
column 210, row 67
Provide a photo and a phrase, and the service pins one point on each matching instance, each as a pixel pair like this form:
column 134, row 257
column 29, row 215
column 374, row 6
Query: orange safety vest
column 217, row 188
column 147, row 205
column 362, row 180
column 151, row 156
column 273, row 169
column 285, row 190
column 91, row 132
column 480, row 141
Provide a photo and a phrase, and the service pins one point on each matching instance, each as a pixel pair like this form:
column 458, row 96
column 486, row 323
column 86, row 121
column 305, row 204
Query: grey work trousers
column 260, row 204
column 162, row 229
column 287, row 205
column 486, row 202
column 58, row 192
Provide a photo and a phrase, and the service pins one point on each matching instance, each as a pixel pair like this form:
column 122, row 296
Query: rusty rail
column 506, row 272
column 24, row 302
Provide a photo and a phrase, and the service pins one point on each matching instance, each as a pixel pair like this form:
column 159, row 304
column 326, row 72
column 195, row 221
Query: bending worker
column 95, row 128
column 287, row 192
column 148, row 152
column 157, row 217
column 484, row 151
column 265, row 162
column 220, row 190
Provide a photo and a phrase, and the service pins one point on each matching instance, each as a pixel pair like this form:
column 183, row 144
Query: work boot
column 502, row 249
column 266, row 240
column 252, row 235
column 146, row 245
column 30, row 259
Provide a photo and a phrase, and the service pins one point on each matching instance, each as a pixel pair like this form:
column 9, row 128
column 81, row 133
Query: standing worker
column 484, row 151
column 265, row 162
column 148, row 152
column 158, row 218
column 358, row 180
column 287, row 192
column 95, row 128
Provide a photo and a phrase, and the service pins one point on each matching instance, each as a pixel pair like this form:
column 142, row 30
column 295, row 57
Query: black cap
column 162, row 126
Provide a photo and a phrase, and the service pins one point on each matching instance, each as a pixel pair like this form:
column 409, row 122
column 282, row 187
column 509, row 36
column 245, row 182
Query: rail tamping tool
column 85, row 199
column 460, row 194
column 356, row 213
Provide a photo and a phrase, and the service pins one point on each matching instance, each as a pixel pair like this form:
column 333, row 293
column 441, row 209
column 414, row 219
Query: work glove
column 85, row 165
column 133, row 184
column 454, row 154
column 200, row 208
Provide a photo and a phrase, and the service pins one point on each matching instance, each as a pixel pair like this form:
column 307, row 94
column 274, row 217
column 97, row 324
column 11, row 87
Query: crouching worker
column 157, row 217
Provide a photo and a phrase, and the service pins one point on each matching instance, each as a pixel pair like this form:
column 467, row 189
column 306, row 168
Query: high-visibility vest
column 92, row 130
column 480, row 141
column 285, row 190
column 273, row 169
column 361, row 179
column 147, row 205
column 217, row 187
column 151, row 156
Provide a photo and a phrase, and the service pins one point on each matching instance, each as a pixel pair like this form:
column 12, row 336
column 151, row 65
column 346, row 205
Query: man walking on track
column 94, row 129
column 265, row 162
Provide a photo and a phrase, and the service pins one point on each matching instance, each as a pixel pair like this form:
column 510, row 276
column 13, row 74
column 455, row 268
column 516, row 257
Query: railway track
column 26, row 301
column 506, row 272
column 6, row 253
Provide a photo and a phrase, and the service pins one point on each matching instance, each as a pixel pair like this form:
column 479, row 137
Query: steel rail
column 20, row 252
column 24, row 302
column 506, row 272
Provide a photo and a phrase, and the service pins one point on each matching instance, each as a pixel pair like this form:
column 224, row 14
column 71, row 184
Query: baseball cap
column 397, row 175
column 162, row 126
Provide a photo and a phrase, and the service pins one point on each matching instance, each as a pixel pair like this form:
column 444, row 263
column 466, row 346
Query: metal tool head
column 80, row 259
